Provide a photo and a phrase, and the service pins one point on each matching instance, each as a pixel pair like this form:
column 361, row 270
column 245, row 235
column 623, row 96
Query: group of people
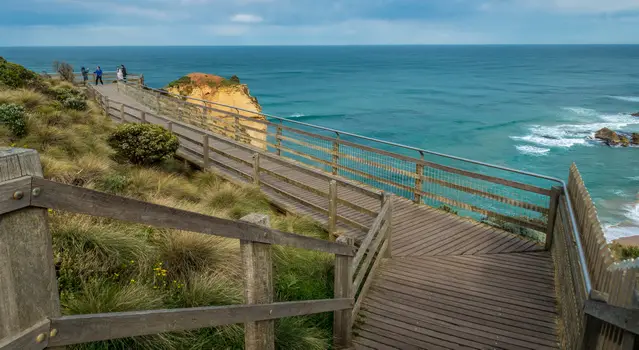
column 120, row 74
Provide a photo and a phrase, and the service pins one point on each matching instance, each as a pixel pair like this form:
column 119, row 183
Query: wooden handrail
column 22, row 198
column 510, row 183
column 79, row 329
column 80, row 200
column 417, row 190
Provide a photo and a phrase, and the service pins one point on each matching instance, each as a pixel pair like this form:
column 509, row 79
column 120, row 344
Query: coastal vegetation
column 105, row 265
column 624, row 252
column 186, row 84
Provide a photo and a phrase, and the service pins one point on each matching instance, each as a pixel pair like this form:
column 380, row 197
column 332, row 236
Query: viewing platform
column 432, row 251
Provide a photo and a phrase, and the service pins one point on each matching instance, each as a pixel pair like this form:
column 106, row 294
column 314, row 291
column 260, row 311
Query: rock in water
column 228, row 92
column 635, row 138
column 624, row 141
column 635, row 114
column 610, row 137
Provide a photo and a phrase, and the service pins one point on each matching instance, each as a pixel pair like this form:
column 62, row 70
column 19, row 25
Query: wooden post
column 237, row 128
column 419, row 171
column 278, row 140
column 335, row 153
column 169, row 126
column 204, row 108
column 555, row 194
column 122, row 113
column 257, row 267
column 28, row 287
column 387, row 197
column 143, row 117
column 343, row 288
column 256, row 169
column 332, row 208
column 205, row 151
column 106, row 106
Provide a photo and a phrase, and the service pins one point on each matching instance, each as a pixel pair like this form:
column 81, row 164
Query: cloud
column 117, row 9
column 246, row 18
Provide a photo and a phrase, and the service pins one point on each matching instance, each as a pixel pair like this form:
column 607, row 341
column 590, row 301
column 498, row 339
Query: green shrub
column 235, row 79
column 16, row 76
column 13, row 116
column 69, row 96
column 143, row 143
column 75, row 103
column 624, row 252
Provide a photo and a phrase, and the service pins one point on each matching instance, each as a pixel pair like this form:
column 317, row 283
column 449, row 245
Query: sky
column 316, row 22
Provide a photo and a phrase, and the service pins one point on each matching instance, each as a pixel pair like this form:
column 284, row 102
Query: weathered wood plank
column 84, row 201
column 372, row 232
column 28, row 284
column 624, row 318
column 79, row 329
column 343, row 288
column 35, row 337
column 369, row 281
column 257, row 266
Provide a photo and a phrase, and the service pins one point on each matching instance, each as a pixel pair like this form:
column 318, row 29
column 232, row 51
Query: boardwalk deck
column 451, row 282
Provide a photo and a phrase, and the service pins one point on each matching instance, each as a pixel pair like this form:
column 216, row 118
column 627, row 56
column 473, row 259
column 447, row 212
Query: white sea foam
column 587, row 112
column 568, row 135
column 532, row 150
column 632, row 212
column 626, row 98
column 633, row 178
column 550, row 142
column 297, row 115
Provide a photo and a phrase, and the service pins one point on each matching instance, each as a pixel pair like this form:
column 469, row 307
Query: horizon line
column 323, row 45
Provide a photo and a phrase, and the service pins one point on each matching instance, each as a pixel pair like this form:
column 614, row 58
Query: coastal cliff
column 229, row 92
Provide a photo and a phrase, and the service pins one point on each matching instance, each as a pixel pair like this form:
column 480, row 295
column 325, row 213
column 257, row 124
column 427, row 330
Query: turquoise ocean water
column 527, row 107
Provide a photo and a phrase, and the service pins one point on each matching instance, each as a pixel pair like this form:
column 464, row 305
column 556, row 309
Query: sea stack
column 229, row 92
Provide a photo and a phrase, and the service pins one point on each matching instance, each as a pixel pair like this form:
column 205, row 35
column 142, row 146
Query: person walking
column 124, row 73
column 119, row 74
column 85, row 75
column 98, row 76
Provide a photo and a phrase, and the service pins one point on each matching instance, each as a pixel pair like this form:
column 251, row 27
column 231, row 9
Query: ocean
column 528, row 107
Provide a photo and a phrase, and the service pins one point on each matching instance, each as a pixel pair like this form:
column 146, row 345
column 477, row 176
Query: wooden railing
column 29, row 302
column 515, row 200
column 107, row 77
column 596, row 312
column 196, row 146
column 375, row 246
column 612, row 309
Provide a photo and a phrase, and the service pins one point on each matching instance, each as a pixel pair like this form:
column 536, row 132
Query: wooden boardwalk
column 451, row 282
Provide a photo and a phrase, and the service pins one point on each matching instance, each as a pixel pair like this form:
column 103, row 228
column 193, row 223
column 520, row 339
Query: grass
column 105, row 265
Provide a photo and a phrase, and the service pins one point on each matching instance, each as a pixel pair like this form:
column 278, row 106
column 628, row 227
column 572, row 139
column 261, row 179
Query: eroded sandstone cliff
column 224, row 93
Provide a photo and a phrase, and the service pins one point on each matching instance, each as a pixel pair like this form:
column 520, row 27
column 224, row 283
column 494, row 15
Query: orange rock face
column 225, row 96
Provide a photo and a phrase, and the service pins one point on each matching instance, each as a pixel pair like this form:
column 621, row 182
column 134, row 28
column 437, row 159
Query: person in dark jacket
column 85, row 75
column 123, row 71
column 98, row 76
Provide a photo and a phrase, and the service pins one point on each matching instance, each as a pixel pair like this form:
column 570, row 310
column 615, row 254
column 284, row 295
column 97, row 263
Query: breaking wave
column 568, row 135
column 532, row 150
column 626, row 98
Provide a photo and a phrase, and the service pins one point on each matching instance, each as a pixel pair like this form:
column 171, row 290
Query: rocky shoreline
column 618, row 138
